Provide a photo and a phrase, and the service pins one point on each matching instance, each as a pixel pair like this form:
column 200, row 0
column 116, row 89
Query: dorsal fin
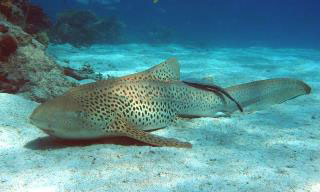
column 167, row 70
column 216, row 89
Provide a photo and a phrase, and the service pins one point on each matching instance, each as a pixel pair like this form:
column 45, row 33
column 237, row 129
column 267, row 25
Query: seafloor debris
column 86, row 72
column 83, row 28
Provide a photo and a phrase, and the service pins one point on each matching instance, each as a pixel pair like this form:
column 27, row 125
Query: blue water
column 221, row 42
column 221, row 23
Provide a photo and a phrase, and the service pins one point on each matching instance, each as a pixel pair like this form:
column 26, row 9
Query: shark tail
column 258, row 95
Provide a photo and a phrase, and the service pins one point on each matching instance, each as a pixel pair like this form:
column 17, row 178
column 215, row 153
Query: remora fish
column 134, row 104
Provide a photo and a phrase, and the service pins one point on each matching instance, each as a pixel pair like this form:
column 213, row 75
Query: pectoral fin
column 123, row 128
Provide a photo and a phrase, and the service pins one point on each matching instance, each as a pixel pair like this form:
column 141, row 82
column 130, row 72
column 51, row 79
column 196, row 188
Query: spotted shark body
column 135, row 104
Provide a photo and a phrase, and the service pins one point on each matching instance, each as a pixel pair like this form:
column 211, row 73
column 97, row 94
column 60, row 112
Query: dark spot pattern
column 145, row 104
column 144, row 101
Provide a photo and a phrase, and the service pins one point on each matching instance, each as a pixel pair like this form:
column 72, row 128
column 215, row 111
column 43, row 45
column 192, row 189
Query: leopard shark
column 135, row 105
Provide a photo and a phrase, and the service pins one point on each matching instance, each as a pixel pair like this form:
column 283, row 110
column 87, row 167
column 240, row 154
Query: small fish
column 135, row 104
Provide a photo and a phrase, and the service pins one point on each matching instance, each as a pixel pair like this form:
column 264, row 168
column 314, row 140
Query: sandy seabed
column 277, row 149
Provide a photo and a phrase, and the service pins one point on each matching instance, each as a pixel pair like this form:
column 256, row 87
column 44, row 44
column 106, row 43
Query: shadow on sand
column 51, row 143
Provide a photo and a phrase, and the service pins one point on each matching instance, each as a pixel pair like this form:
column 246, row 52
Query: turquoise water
column 216, row 42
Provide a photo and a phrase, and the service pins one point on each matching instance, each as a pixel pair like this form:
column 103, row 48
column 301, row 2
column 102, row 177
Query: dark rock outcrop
column 83, row 28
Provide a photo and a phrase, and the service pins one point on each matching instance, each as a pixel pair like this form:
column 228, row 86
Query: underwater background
column 48, row 47
column 230, row 23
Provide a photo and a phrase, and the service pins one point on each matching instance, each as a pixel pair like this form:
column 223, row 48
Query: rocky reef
column 25, row 67
column 29, row 17
column 83, row 28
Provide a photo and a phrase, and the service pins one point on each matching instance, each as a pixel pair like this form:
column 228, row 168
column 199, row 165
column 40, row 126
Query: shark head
column 60, row 117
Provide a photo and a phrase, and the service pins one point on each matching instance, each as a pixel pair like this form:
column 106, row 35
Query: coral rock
column 3, row 28
column 12, row 10
column 29, row 71
column 43, row 38
column 36, row 20
column 8, row 45
column 26, row 15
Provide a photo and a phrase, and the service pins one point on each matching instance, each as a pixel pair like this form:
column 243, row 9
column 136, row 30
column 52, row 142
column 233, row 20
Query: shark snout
column 40, row 117
column 59, row 117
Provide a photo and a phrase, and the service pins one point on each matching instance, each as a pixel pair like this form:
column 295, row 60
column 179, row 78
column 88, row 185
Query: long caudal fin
column 258, row 95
